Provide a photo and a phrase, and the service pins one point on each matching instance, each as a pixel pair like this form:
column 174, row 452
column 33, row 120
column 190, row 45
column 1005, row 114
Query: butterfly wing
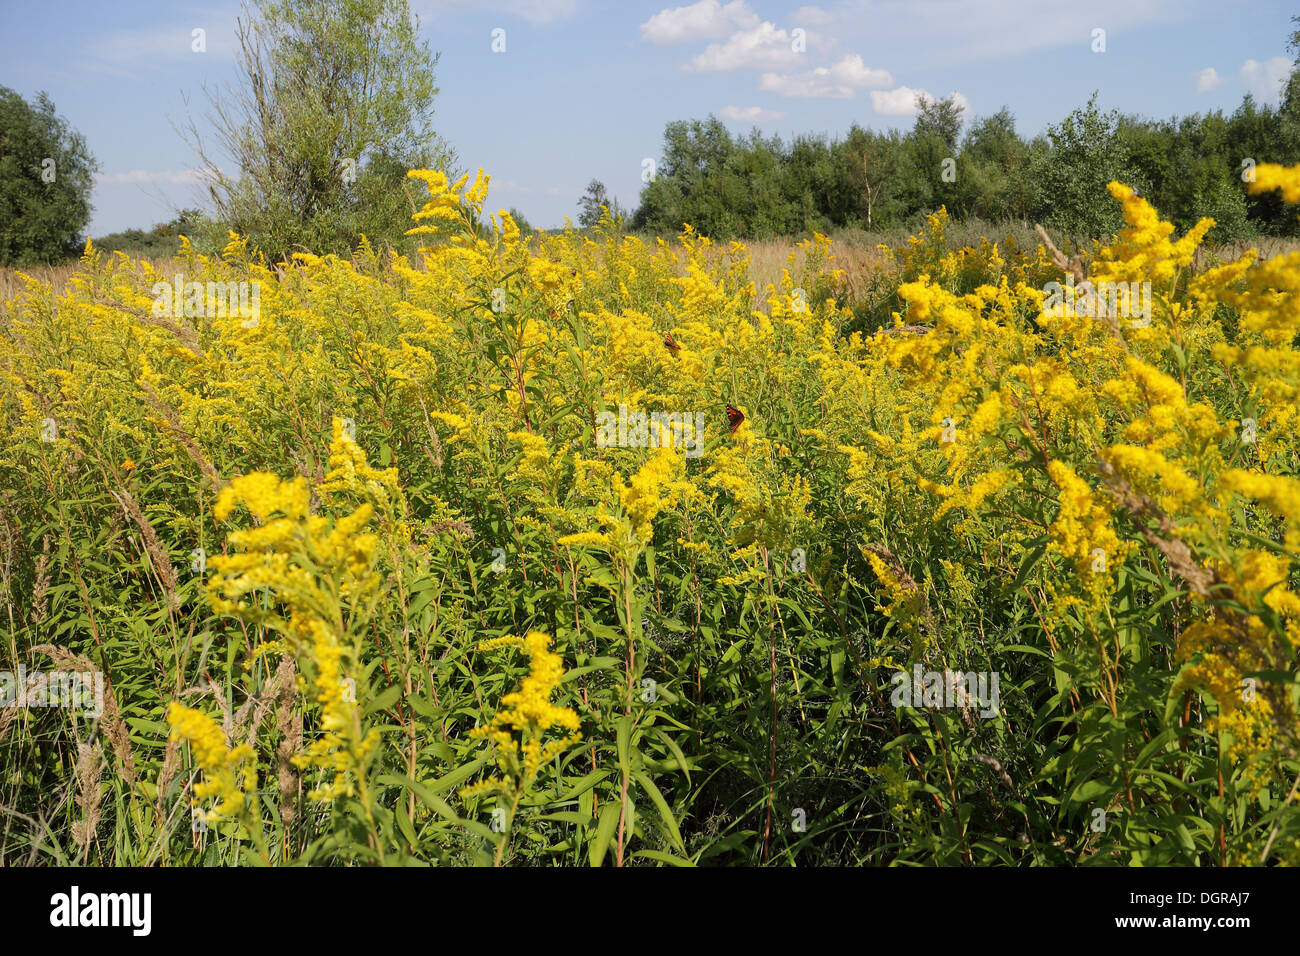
column 735, row 416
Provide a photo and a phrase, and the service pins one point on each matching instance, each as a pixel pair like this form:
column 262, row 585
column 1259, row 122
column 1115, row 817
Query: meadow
column 954, row 573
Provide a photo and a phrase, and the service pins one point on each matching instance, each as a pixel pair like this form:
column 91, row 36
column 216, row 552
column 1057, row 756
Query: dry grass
column 769, row 257
column 57, row 276
column 859, row 256
column 1268, row 247
column 11, row 283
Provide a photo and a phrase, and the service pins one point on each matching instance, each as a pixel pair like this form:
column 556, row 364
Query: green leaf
column 663, row 857
column 604, row 833
column 665, row 812
column 423, row 794
column 383, row 700
column 1092, row 790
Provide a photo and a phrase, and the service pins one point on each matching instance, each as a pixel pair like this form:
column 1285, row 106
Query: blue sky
column 584, row 88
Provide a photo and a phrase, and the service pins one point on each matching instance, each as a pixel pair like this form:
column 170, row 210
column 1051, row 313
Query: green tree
column 593, row 202
column 1289, row 109
column 46, row 174
column 335, row 105
column 938, row 118
column 689, row 184
column 761, row 191
column 814, row 186
column 1253, row 138
column 161, row 241
column 931, row 152
column 993, row 183
column 1085, row 152
column 870, row 167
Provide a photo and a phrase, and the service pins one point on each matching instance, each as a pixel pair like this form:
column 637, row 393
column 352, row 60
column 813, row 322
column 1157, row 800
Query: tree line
column 757, row 186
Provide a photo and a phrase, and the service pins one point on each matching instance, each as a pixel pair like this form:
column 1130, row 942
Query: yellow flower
column 584, row 538
column 1270, row 176
column 349, row 470
column 547, row 275
column 218, row 762
column 652, row 489
column 1143, row 251
column 444, row 200
column 1280, row 494
column 1082, row 531
column 535, row 468
column 263, row 494
column 526, row 715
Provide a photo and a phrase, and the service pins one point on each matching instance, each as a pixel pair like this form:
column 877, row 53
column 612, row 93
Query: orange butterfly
column 735, row 416
column 671, row 343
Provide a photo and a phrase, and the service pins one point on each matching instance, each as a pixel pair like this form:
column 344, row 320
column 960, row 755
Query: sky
column 546, row 95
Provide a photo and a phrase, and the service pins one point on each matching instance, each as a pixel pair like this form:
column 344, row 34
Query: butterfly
column 671, row 343
column 735, row 416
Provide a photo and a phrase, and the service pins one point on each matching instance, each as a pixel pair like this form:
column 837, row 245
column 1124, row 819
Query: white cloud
column 764, row 47
column 706, row 20
column 839, row 81
column 899, row 102
column 963, row 105
column 811, row 17
column 1265, row 80
column 1208, row 79
column 750, row 114
column 172, row 177
column 903, row 101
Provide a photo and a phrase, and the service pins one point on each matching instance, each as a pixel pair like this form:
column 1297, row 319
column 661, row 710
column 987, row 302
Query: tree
column 938, row 118
column 686, row 184
column 161, row 241
column 871, row 165
column 46, row 174
column 814, row 186
column 1288, row 133
column 591, row 204
column 1253, row 138
column 1085, row 152
column 931, row 147
column 760, row 191
column 336, row 104
column 993, row 158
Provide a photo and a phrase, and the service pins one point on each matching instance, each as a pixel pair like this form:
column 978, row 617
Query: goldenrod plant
column 424, row 559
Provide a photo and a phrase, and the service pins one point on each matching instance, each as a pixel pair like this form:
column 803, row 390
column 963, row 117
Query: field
column 582, row 549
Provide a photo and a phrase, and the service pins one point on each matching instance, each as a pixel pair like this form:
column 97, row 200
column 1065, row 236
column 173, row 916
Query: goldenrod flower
column 527, row 714
column 219, row 762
